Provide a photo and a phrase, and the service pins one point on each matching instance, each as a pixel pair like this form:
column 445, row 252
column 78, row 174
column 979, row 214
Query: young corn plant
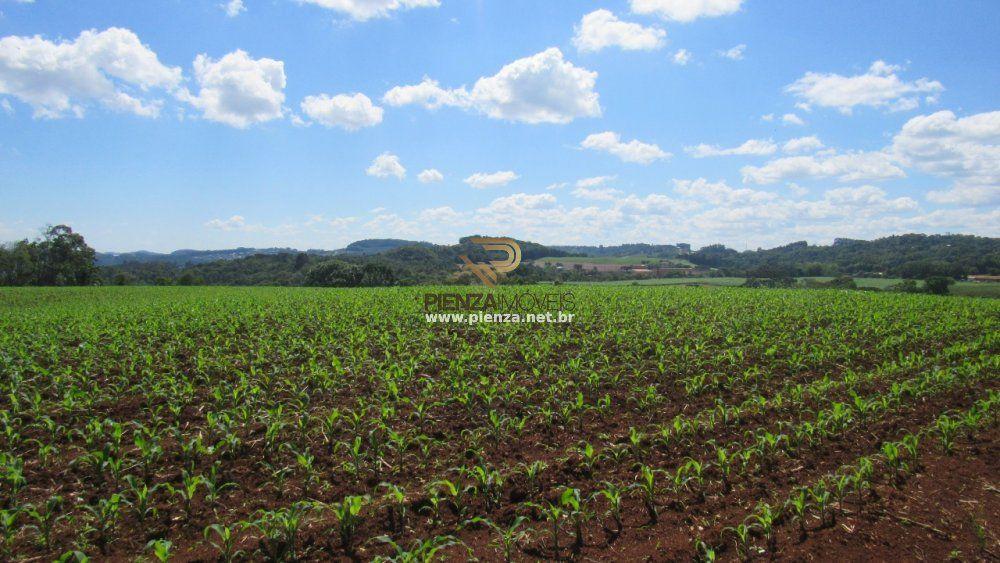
column 161, row 549
column 103, row 520
column 215, row 484
column 613, row 495
column 223, row 538
column 395, row 506
column 139, row 497
column 8, row 529
column 44, row 519
column 647, row 490
column 420, row 551
column 187, row 491
column 822, row 498
column 742, row 537
column 947, row 428
column 797, row 506
column 508, row 538
column 348, row 514
column 553, row 514
column 533, row 473
column 280, row 529
column 764, row 519
column 576, row 511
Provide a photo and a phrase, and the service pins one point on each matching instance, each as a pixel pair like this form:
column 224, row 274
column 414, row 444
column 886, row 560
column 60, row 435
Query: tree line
column 62, row 257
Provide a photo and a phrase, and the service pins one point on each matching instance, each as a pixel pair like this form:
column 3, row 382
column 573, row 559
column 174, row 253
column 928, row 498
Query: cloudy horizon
column 313, row 124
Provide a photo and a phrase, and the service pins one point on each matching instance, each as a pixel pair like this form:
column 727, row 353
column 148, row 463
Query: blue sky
column 170, row 124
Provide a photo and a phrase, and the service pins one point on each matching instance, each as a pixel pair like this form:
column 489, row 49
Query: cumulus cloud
column 112, row 68
column 965, row 150
column 238, row 90
column 428, row 93
column 632, row 151
column 234, row 8
column 439, row 215
column 429, row 176
column 879, row 87
column 542, row 88
column 347, row 111
column 481, row 180
column 594, row 181
column 600, row 29
column 685, row 10
column 234, row 223
column 846, row 167
column 719, row 193
column 791, row 119
column 596, row 193
column 363, row 10
column 386, row 165
column 752, row 147
column 734, row 53
column 682, row 57
column 802, row 144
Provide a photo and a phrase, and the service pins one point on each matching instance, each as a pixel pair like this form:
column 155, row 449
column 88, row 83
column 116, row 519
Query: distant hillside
column 182, row 257
column 407, row 262
column 636, row 249
column 908, row 256
column 379, row 245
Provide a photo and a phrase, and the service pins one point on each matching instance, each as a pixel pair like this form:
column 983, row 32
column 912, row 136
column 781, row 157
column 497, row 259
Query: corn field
column 665, row 423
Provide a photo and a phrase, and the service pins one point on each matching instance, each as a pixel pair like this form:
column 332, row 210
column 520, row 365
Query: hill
column 907, row 256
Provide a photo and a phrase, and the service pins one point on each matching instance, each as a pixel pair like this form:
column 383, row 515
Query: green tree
column 65, row 258
column 938, row 285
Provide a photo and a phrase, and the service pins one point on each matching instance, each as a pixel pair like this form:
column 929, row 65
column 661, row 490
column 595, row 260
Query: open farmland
column 666, row 423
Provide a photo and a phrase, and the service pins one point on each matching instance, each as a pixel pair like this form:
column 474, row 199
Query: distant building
column 683, row 248
column 984, row 278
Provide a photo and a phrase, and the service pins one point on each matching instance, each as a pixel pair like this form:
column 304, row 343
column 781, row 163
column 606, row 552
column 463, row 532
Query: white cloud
column 439, row 215
column 429, row 176
column 847, row 167
column 234, row 8
column 791, row 119
column 802, row 144
column 347, row 111
column 481, row 180
column 557, row 186
column 428, row 93
column 106, row 67
column 600, row 29
column 7, row 108
column 234, row 223
column 594, row 181
column 596, row 193
column 796, row 189
column 879, row 87
column 735, row 53
column 754, row 147
column 237, row 90
column 542, row 88
column 386, row 165
column 719, row 193
column 965, row 150
column 685, row 10
column 363, row 10
column 768, row 117
column 632, row 151
column 682, row 57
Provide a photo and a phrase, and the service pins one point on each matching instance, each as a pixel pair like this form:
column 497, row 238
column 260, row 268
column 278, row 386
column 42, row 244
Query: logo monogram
column 489, row 272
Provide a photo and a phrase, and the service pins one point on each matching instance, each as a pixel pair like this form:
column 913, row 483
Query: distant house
column 984, row 278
